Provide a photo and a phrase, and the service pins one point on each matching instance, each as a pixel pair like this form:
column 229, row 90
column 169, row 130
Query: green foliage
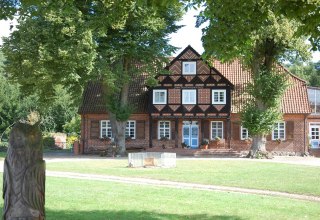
column 306, row 71
column 73, row 126
column 71, row 139
column 268, row 87
column 260, row 34
column 48, row 141
column 122, row 111
column 259, row 121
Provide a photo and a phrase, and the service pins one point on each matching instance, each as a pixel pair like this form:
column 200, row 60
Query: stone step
column 220, row 152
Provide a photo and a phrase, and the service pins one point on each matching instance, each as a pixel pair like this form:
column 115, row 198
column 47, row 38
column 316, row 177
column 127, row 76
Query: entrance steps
column 219, row 152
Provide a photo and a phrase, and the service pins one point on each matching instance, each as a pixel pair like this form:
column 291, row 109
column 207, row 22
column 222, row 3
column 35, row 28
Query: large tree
column 71, row 42
column 259, row 33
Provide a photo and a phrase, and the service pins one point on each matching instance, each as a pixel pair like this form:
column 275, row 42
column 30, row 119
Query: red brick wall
column 296, row 143
column 91, row 144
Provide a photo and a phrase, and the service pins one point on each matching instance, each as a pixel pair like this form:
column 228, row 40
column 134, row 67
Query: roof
column 294, row 101
column 94, row 101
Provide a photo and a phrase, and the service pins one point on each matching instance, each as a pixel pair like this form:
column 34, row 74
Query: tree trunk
column 118, row 131
column 119, row 127
column 258, row 145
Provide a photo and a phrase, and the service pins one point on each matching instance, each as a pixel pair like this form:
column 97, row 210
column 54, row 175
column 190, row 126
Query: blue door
column 190, row 133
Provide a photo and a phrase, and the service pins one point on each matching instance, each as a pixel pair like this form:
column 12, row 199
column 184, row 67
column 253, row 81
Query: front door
column 190, row 133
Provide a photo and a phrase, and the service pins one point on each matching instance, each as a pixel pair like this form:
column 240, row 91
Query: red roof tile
column 295, row 99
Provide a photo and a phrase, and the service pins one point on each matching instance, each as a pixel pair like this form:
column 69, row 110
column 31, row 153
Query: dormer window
column 189, row 68
column 160, row 96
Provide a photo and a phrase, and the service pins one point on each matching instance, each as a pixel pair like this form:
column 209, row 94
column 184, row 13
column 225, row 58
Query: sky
column 187, row 35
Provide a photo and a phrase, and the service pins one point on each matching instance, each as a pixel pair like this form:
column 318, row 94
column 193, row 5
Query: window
column 131, row 129
column 314, row 100
column 189, row 96
column 279, row 131
column 216, row 130
column 189, row 68
column 244, row 135
column 164, row 129
column 218, row 96
column 160, row 96
column 105, row 129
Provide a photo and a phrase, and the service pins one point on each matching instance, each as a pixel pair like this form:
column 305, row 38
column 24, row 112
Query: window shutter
column 289, row 130
column 236, row 130
column 140, row 130
column 155, row 130
column 94, row 129
column 173, row 130
column 206, row 129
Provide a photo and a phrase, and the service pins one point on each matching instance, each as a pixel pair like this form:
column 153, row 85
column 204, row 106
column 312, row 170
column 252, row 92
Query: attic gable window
column 219, row 96
column 160, row 96
column 189, row 68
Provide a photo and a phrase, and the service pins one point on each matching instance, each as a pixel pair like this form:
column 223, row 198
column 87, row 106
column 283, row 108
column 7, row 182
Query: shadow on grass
column 119, row 215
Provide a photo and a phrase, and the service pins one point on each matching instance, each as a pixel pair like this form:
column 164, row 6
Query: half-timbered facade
column 196, row 101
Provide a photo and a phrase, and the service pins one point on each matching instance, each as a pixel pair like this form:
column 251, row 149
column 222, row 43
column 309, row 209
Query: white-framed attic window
column 189, row 68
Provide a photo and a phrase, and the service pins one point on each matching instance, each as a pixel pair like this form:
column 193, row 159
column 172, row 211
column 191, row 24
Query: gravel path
column 179, row 185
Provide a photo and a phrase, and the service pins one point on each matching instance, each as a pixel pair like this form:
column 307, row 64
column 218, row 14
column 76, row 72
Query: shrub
column 48, row 142
column 71, row 139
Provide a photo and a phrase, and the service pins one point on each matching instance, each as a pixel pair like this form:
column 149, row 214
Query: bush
column 48, row 142
column 71, row 139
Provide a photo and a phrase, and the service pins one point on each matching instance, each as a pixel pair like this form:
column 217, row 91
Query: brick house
column 195, row 101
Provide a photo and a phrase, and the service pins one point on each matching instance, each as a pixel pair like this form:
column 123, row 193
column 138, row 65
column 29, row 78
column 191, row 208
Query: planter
column 205, row 147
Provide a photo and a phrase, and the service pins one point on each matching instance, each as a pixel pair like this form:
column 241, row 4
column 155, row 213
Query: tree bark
column 118, row 126
column 258, row 145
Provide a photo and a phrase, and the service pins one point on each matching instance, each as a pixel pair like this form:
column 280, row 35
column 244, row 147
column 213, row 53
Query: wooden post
column 24, row 174
column 176, row 133
column 150, row 131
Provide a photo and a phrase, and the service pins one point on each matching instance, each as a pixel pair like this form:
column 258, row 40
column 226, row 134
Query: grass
column 248, row 174
column 70, row 199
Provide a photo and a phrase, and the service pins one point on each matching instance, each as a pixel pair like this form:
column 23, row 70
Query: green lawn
column 248, row 174
column 71, row 199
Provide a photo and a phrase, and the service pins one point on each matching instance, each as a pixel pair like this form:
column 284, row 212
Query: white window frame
column 184, row 71
column 219, row 91
column 242, row 130
column 107, row 127
column 190, row 91
column 211, row 129
column 315, row 143
column 131, row 128
column 154, row 96
column 277, row 129
column 165, row 129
